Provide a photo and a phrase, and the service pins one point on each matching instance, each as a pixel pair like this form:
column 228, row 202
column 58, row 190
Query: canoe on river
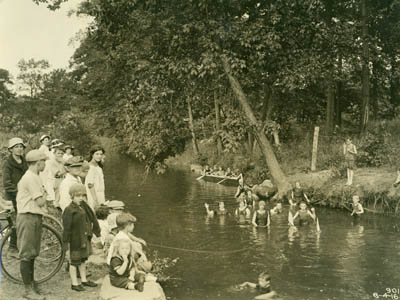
column 232, row 181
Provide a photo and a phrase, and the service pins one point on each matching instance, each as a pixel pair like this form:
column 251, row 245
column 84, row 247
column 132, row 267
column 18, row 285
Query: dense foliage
column 298, row 62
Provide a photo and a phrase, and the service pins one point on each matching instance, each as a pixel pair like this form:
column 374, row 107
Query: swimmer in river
column 358, row 209
column 263, row 287
column 305, row 215
column 221, row 210
column 261, row 216
column 243, row 210
column 277, row 209
column 298, row 195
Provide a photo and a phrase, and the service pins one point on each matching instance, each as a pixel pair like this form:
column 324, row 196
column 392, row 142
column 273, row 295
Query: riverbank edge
column 326, row 188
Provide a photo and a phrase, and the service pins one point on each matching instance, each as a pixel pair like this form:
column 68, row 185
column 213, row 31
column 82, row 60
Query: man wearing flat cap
column 31, row 200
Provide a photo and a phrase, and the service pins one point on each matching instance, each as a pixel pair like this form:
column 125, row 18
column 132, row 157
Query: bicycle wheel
column 52, row 221
column 47, row 264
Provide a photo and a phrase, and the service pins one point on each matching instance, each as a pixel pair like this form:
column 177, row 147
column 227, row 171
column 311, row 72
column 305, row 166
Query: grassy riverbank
column 376, row 165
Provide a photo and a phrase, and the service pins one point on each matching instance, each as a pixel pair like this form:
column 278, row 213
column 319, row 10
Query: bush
column 374, row 149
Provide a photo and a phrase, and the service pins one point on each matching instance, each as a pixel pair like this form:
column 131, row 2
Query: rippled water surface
column 344, row 261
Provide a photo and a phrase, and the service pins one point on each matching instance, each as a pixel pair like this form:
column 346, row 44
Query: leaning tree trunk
column 365, row 69
column 277, row 174
column 217, row 124
column 191, row 127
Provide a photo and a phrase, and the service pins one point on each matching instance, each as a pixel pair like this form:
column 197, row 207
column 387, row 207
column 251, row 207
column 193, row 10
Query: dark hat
column 96, row 148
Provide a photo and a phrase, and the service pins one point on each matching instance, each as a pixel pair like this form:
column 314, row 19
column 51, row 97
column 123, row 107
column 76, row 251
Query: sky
column 29, row 31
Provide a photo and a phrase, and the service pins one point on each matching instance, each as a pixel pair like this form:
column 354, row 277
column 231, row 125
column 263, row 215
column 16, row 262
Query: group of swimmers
column 250, row 207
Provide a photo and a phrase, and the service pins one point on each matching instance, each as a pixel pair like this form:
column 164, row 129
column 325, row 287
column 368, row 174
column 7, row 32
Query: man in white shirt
column 31, row 202
column 73, row 167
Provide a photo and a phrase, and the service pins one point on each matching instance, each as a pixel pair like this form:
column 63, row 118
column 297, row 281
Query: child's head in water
column 264, row 280
column 303, row 206
column 221, row 205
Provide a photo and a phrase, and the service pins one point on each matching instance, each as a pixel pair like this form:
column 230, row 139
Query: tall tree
column 365, row 67
column 32, row 74
column 5, row 82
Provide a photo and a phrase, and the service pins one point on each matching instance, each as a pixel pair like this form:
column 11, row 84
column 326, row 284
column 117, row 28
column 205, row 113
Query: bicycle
column 51, row 256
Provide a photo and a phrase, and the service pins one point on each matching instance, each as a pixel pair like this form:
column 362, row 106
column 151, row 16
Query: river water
column 344, row 261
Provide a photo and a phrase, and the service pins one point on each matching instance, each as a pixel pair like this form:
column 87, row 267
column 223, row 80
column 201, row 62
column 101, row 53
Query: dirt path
column 59, row 287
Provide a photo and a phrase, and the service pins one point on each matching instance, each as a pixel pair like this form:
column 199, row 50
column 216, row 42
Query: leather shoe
column 37, row 289
column 78, row 288
column 89, row 283
column 31, row 294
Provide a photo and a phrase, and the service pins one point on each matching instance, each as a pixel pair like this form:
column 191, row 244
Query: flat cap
column 115, row 204
column 74, row 161
column 35, row 155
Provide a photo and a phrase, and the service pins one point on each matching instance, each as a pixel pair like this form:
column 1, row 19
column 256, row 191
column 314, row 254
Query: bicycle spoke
column 47, row 264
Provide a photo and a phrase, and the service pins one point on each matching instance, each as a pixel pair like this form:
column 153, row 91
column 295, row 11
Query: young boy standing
column 350, row 152
column 31, row 201
column 76, row 236
column 73, row 167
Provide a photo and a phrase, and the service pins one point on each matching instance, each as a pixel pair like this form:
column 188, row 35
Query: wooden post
column 314, row 149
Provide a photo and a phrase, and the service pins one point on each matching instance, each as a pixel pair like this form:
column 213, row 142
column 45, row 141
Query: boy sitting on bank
column 126, row 224
column 263, row 286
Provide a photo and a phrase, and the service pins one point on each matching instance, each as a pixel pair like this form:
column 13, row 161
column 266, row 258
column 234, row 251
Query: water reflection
column 343, row 261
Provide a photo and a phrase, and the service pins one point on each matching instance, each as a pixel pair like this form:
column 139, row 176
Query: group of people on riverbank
column 52, row 178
